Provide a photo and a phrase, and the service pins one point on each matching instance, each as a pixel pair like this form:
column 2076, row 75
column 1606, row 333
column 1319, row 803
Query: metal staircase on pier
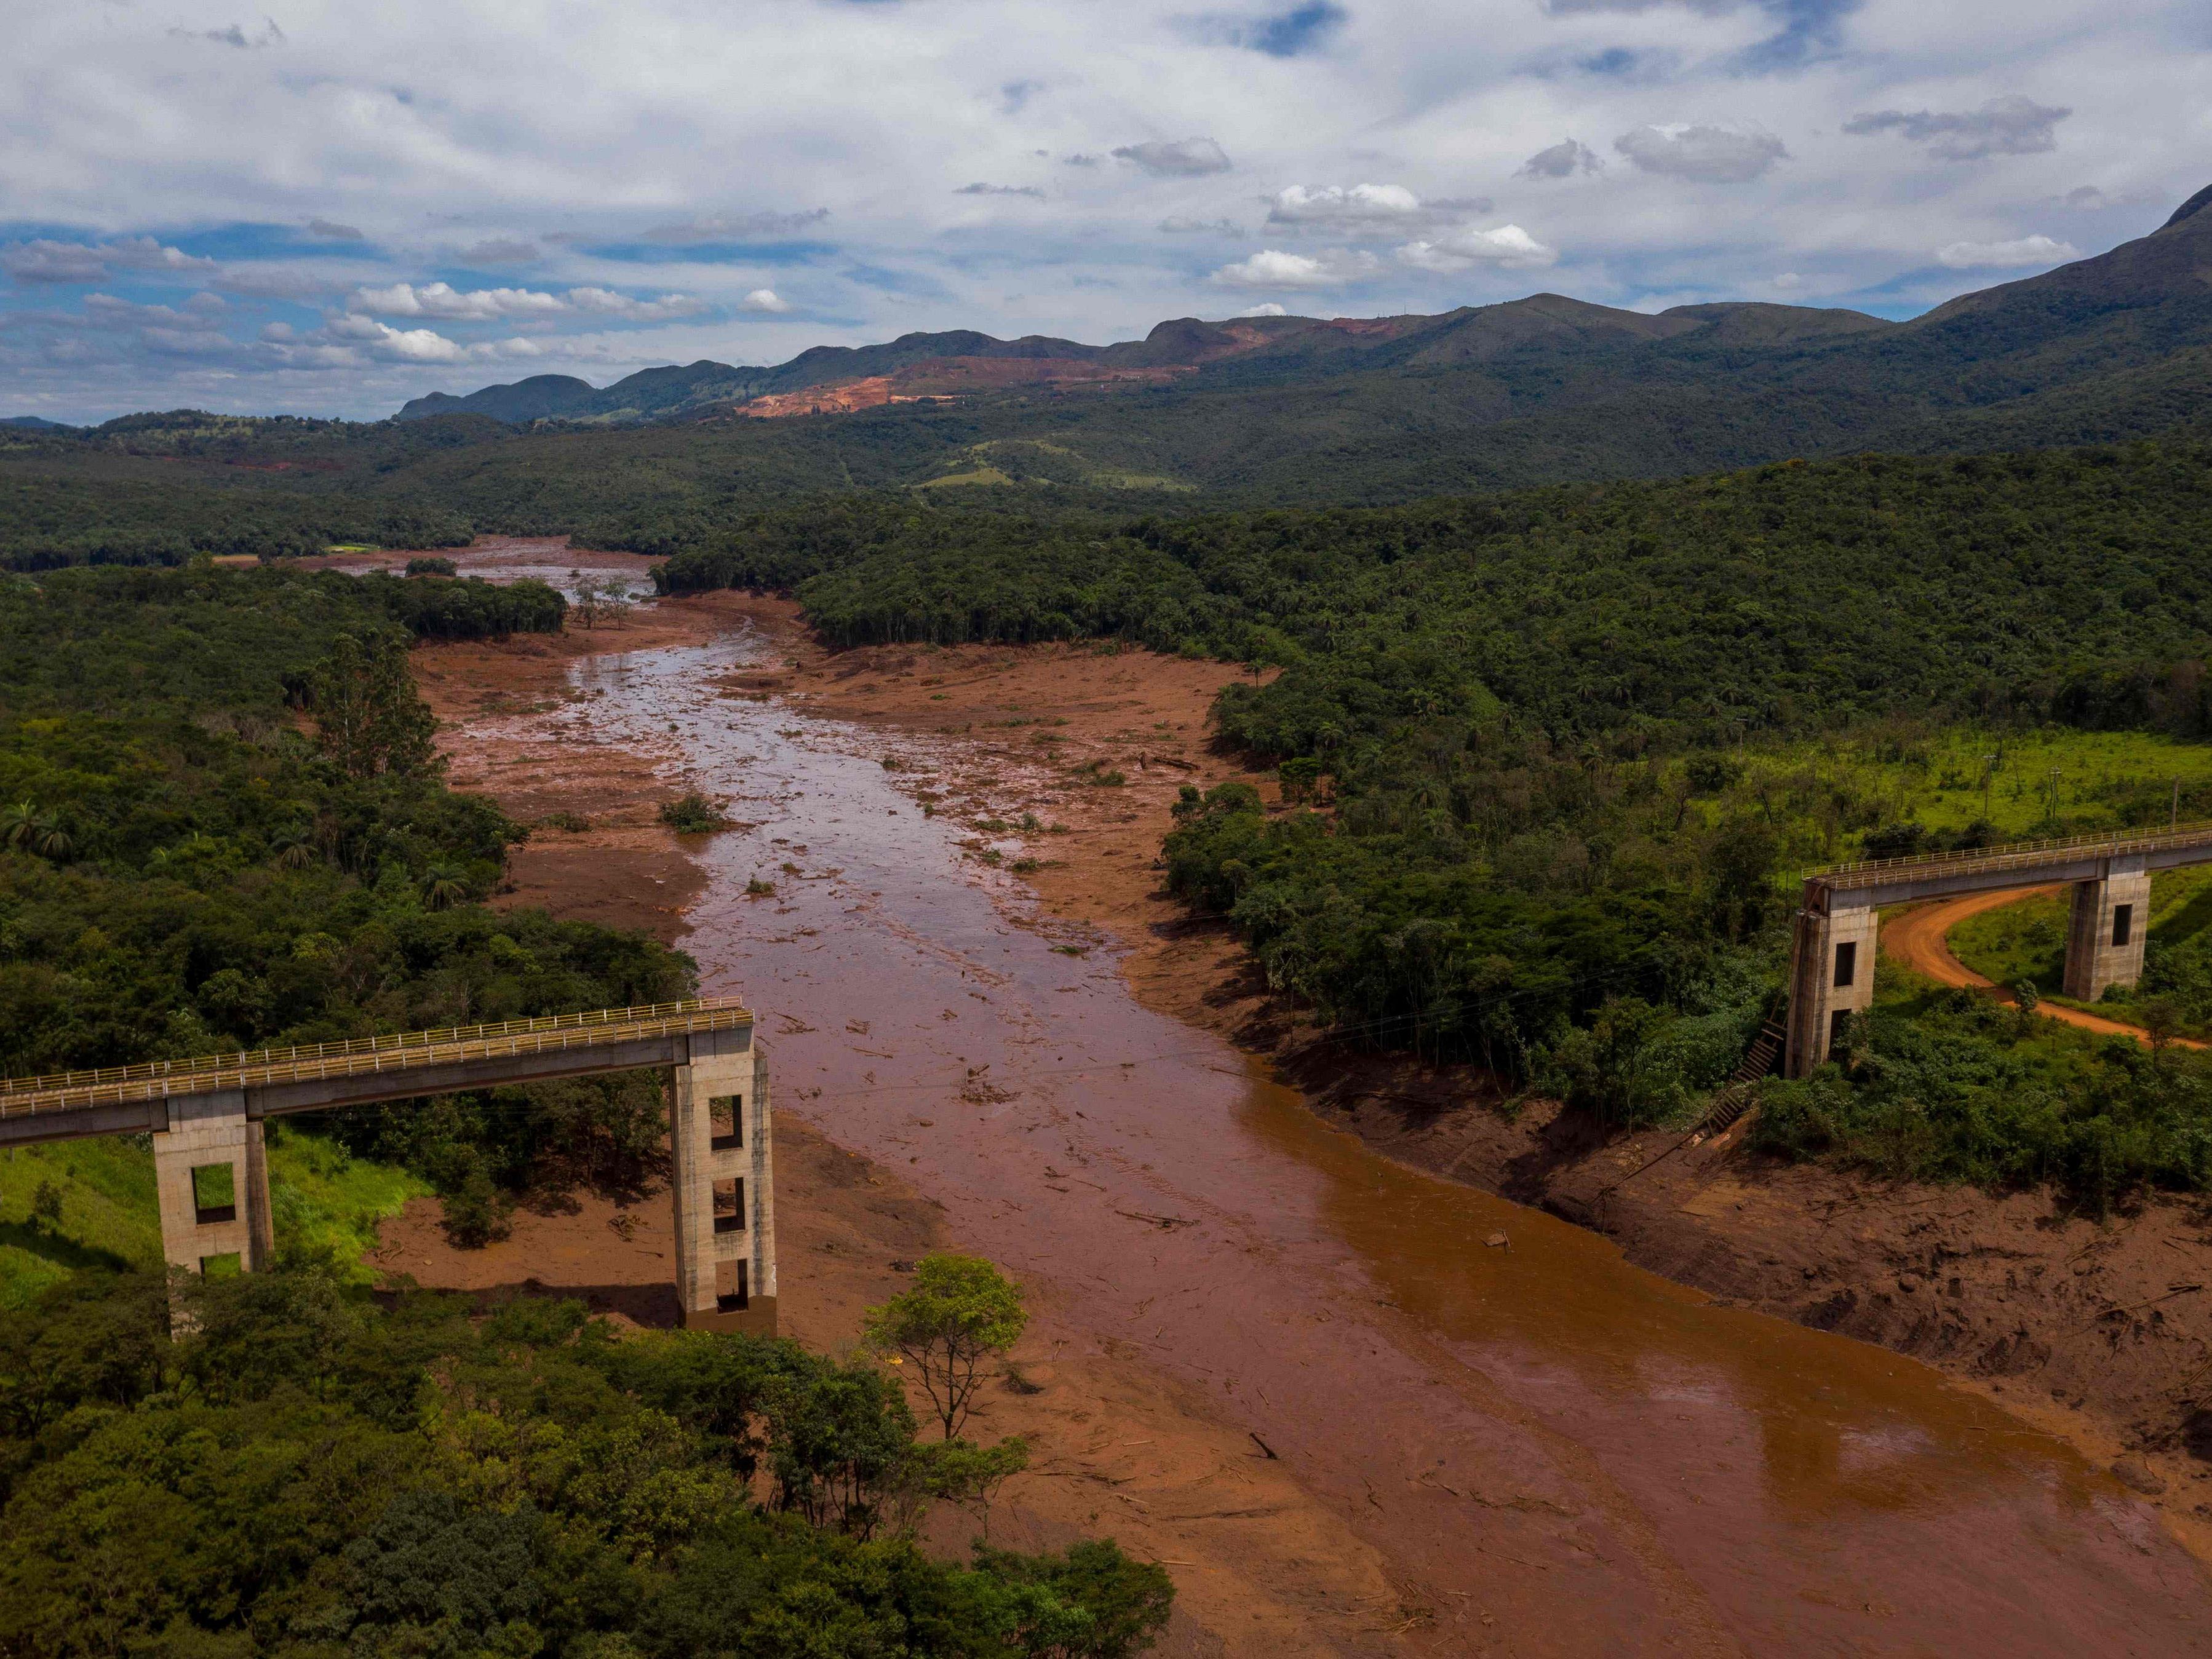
column 1734, row 1098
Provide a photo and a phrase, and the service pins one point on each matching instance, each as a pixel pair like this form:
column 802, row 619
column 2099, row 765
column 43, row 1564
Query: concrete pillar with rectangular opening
column 722, row 1180
column 2105, row 939
column 211, row 1173
column 1831, row 973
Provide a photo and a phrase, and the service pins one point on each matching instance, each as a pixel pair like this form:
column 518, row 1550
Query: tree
column 444, row 885
column 961, row 1311
column 368, row 717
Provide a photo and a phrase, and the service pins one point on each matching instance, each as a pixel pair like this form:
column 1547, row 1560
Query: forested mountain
column 1544, row 387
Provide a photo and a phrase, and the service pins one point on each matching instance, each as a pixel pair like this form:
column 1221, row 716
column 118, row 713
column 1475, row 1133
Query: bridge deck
column 2019, row 864
column 115, row 1098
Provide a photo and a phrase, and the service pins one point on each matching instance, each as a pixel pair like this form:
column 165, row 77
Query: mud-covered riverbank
column 1527, row 1432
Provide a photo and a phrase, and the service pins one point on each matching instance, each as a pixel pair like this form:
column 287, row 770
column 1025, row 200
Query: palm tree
column 292, row 849
column 18, row 825
column 49, row 840
column 444, row 885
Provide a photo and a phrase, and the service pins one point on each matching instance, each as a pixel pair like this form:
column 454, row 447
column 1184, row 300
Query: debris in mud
column 1165, row 1223
column 1499, row 1242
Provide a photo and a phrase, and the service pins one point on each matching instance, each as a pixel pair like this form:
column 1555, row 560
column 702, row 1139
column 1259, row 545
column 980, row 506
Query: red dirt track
column 1920, row 939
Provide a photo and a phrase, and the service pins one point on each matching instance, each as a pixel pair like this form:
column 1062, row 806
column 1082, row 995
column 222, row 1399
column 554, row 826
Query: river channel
column 1611, row 1462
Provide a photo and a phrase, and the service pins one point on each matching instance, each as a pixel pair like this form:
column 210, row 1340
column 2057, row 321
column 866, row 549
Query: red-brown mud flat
column 1538, row 1449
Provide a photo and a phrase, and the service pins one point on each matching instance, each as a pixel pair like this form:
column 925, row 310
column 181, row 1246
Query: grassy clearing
column 324, row 1201
column 1822, row 798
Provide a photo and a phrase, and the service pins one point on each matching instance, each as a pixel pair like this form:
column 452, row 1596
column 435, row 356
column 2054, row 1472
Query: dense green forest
column 312, row 1474
column 225, row 827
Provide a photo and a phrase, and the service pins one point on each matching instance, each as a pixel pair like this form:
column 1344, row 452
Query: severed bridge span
column 205, row 1116
column 1832, row 949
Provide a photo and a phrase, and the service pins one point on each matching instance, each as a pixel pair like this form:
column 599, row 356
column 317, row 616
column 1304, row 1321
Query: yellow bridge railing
column 2010, row 855
column 406, row 1050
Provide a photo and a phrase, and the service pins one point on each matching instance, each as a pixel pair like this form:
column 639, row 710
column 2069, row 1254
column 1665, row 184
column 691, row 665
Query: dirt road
column 1920, row 939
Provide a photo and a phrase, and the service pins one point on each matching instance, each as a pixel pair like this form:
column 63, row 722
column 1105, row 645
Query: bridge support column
column 723, row 1183
column 211, row 1172
column 2112, row 917
column 1831, row 973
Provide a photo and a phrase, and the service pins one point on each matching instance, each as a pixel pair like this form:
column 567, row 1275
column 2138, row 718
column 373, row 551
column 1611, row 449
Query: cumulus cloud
column 1707, row 155
column 999, row 190
column 1176, row 158
column 1291, row 33
column 76, row 261
column 763, row 298
column 2011, row 126
column 442, row 300
column 415, row 345
column 1561, row 161
column 334, row 231
column 1175, row 225
column 1507, row 247
column 1334, row 204
column 1274, row 267
column 2037, row 250
column 1264, row 308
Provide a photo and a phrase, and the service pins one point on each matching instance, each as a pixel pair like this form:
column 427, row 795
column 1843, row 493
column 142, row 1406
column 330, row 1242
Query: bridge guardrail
column 1868, row 872
column 198, row 1074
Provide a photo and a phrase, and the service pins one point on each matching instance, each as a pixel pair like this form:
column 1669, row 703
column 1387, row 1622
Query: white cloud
column 1333, row 204
column 2037, row 250
column 1508, row 247
column 2011, row 126
column 1179, row 158
column 1264, row 308
column 1711, row 155
column 1176, row 225
column 1787, row 281
column 1274, row 268
column 763, row 298
column 443, row 301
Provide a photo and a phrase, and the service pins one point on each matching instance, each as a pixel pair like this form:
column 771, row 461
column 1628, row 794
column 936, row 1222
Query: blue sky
column 328, row 208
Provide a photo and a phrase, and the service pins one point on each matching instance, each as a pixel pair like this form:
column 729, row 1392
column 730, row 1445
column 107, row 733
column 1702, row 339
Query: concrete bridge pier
column 1831, row 973
column 2111, row 919
column 722, row 1180
column 212, row 1174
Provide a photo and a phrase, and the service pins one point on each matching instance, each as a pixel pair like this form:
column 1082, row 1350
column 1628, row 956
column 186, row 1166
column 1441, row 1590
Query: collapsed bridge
column 1832, row 947
column 205, row 1115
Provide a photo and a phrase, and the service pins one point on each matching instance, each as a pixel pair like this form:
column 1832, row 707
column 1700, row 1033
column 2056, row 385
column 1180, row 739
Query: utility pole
column 2051, row 811
column 2174, row 822
column 1988, row 776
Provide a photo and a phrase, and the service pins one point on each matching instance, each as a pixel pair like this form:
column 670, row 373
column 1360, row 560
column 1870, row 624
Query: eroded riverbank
column 1594, row 1459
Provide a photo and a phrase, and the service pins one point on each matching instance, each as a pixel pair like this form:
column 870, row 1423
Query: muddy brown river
column 1610, row 1462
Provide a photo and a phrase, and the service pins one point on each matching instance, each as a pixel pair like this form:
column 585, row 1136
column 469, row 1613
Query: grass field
column 1823, row 798
column 322, row 1201
column 2027, row 940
